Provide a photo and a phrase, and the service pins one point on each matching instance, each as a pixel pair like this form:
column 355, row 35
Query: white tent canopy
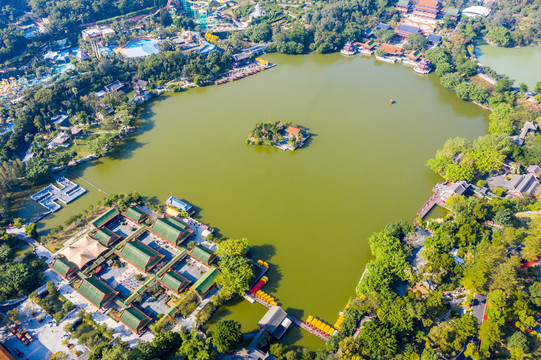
column 83, row 251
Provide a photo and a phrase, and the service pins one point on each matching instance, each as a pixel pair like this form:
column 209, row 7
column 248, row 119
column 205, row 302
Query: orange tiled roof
column 428, row 3
column 392, row 49
column 293, row 130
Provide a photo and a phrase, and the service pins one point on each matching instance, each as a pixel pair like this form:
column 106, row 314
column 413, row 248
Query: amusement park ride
column 202, row 12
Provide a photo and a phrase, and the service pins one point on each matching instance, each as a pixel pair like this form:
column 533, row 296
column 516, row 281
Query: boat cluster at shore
column 241, row 73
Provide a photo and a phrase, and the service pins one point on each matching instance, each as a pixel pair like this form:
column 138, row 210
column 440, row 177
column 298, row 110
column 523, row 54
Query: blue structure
column 433, row 39
column 178, row 204
column 382, row 26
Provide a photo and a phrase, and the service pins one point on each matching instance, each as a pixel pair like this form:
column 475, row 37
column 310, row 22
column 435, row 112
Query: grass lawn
column 89, row 336
column 83, row 328
column 81, row 148
column 477, row 80
column 55, row 243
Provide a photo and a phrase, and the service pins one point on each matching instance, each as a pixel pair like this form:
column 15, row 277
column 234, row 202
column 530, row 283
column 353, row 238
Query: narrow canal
column 307, row 213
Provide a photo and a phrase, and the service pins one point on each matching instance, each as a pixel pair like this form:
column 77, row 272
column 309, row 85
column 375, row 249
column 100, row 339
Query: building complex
column 134, row 269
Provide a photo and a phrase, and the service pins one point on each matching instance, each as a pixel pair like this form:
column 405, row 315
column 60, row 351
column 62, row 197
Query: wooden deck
column 425, row 209
column 292, row 318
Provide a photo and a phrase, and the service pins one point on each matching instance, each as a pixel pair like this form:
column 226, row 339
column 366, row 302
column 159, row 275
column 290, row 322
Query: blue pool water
column 142, row 47
column 6, row 129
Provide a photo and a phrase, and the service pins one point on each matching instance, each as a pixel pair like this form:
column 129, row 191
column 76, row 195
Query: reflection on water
column 308, row 213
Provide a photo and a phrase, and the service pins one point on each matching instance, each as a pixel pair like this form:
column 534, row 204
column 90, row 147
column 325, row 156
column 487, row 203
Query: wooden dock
column 425, row 209
column 308, row 328
column 293, row 319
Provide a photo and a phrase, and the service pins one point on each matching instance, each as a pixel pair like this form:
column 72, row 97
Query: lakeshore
column 520, row 64
column 293, row 233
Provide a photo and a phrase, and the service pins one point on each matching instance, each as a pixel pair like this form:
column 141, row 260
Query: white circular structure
column 476, row 11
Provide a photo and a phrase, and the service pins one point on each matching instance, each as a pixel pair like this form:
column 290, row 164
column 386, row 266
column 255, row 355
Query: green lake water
column 307, row 213
column 520, row 64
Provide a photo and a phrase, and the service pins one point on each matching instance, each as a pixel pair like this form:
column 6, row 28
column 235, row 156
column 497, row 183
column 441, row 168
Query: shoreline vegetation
column 284, row 136
column 421, row 296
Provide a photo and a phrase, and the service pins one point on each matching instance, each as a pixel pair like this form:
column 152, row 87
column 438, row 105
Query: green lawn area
column 85, row 329
column 81, row 148
column 88, row 335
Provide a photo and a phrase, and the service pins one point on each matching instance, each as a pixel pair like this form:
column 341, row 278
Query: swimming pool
column 9, row 127
column 141, row 47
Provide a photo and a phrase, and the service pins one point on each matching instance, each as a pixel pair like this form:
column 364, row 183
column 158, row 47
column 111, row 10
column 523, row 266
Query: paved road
column 479, row 304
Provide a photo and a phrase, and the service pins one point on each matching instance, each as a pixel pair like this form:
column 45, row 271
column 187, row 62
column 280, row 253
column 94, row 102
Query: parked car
column 70, row 346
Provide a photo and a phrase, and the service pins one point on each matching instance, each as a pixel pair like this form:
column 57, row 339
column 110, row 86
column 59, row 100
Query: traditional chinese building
column 403, row 6
column 453, row 13
column 392, row 50
column 406, row 30
column 427, row 9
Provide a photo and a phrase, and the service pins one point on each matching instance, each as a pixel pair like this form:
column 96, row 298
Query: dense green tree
column 30, row 230
column 537, row 88
column 504, row 276
column 500, row 120
column 194, row 346
column 417, row 42
column 236, row 275
column 110, row 352
column 518, row 345
column 377, row 341
column 227, row 336
column 384, row 36
column 503, row 84
column 504, row 217
column 5, row 253
column 232, row 247
column 429, row 354
column 451, row 80
column 467, row 68
column 159, row 347
column 499, row 35
column 37, row 170
column 259, row 33
column 64, row 13
column 12, row 42
column 489, row 332
column 532, row 248
column 535, row 293
column 464, row 90
column 101, row 144
column 399, row 229
column 18, row 279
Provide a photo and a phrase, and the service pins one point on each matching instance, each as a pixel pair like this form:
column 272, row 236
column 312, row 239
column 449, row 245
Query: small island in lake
column 284, row 136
